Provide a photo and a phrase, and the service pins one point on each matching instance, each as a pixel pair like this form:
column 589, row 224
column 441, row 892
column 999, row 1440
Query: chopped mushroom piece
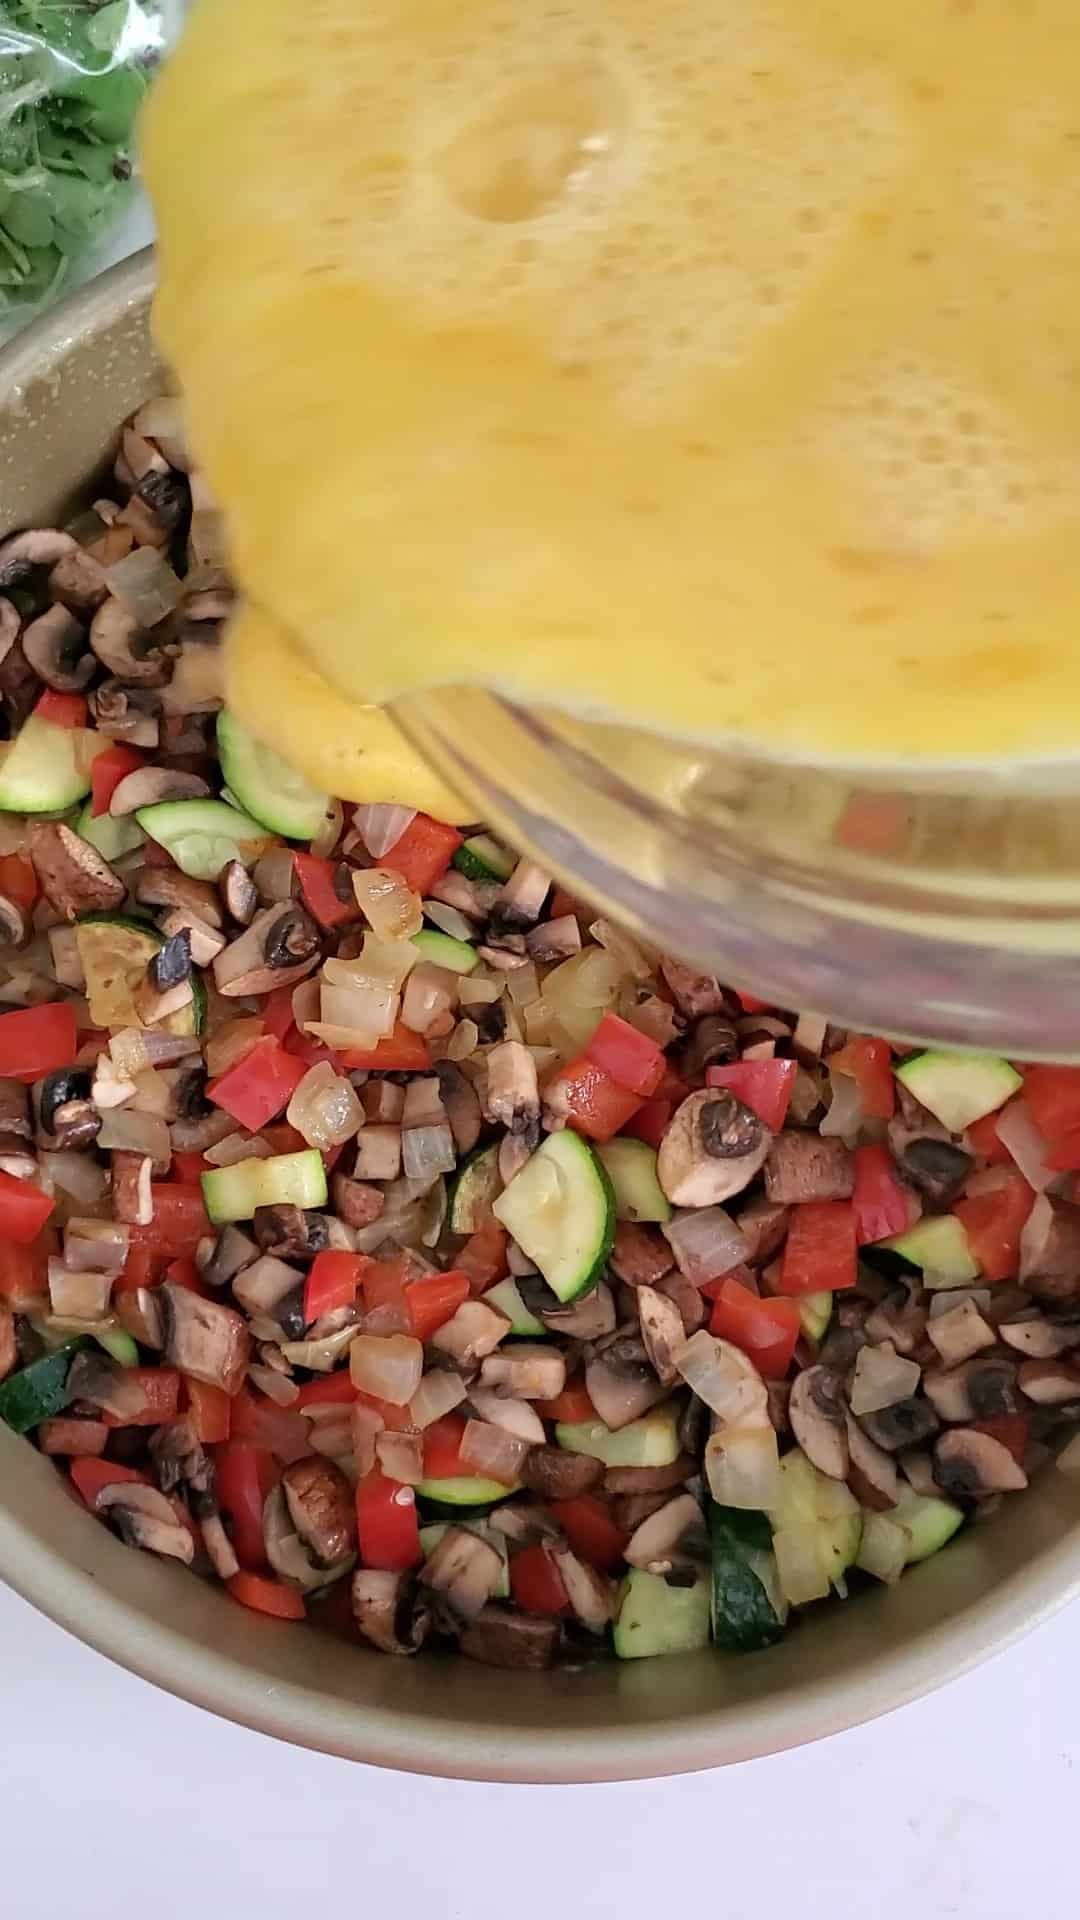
column 555, row 1474
column 906, row 1424
column 357, row 1203
column 803, row 1166
column 621, row 1382
column 936, row 1168
column 121, row 645
column 1050, row 1250
column 968, row 1464
column 238, row 892
column 55, row 646
column 386, row 1609
column 818, row 1419
column 872, row 1475
column 465, row 1569
column 74, row 877
column 591, row 1594
column 590, row 1317
column 522, row 1641
column 147, row 786
column 712, row 1149
column 662, row 1331
column 203, row 1338
column 960, row 1334
column 1039, row 1338
column 524, row 1371
column 654, row 1544
column 167, row 887
column 322, row 1508
column 1050, row 1383
column 278, row 949
column 144, row 1518
column 132, row 1198
column 694, row 993
column 474, row 1331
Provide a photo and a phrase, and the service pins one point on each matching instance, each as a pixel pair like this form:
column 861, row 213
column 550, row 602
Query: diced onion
column 77, row 1174
column 492, row 1453
column 276, row 1386
column 427, row 1152
column 325, row 1108
column 390, row 906
column 464, row 1041
column 380, row 827
column 153, row 1094
column 523, row 985
column 652, row 1017
column 125, row 1131
column 96, row 1246
column 479, row 989
column 1017, row 1131
column 238, row 1146
column 742, row 1466
column 439, row 1392
column 389, row 1368
column 882, row 1378
column 725, row 1379
column 320, row 1356
column 146, row 584
column 629, row 956
column 231, row 1042
column 945, row 1302
column 78, row 1296
column 845, row 1116
column 809, row 1036
column 706, row 1243
column 430, row 992
column 588, row 981
column 883, row 1548
column 449, row 920
column 516, row 1416
column 274, row 874
column 401, row 1456
column 800, row 1564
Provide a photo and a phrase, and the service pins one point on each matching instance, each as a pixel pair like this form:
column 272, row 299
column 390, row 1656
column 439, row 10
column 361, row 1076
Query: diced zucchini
column 561, row 1211
column 631, row 1168
column 939, row 1245
column 748, row 1610
column 810, row 1502
column 442, row 950
column 959, row 1088
column 463, row 1490
column 482, row 858
column 115, row 950
column 653, row 1618
column 112, row 838
column 45, row 768
column 815, row 1312
column 38, row 1391
column 432, row 1534
column 506, row 1298
column 929, row 1522
column 265, row 786
column 652, row 1441
column 204, row 835
column 288, row 1179
column 477, row 1186
column 119, row 1345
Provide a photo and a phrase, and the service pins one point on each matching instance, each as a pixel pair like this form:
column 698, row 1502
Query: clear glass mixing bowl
column 937, row 905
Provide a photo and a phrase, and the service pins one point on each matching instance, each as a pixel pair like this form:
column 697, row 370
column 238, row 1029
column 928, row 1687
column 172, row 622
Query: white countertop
column 119, row 1801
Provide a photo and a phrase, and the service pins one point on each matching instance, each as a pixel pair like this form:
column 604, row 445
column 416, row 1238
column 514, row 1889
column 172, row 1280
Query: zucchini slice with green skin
column 653, row 1618
column 264, row 784
column 442, row 950
column 477, row 1186
column 287, row 1179
column 561, row 1211
column 463, row 1490
column 204, row 835
column 506, row 1298
column 482, row 858
column 115, row 950
column 111, row 838
column 631, row 1168
column 38, row 1391
column 41, row 770
column 959, row 1088
column 815, row 1312
column 810, row 1502
column 748, row 1611
column 939, row 1245
column 929, row 1523
column 652, row 1441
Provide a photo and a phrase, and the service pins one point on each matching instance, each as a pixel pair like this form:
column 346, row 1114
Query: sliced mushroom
column 1050, row 1383
column 15, row 927
column 278, row 949
column 634, row 1480
column 936, row 1168
column 590, row 1317
column 385, row 1609
column 292, row 1233
column 287, row 1553
column 968, row 1464
column 219, row 1548
column 143, row 1518
column 981, row 1389
column 171, row 964
column 1039, row 1338
column 465, row 1569
column 819, row 1420
column 147, row 786
column 461, row 1105
column 514, row 1416
column 557, row 1475
column 525, row 1371
column 621, row 1383
column 473, row 1332
column 691, row 1305
column 74, row 877
column 513, row 1097
column 167, row 887
column 239, row 893
column 662, row 1330
column 713, row 1041
column 906, row 1424
column 654, row 1544
column 591, row 1594
column 694, row 994
column 554, row 940
column 263, row 1285
column 763, row 1224
column 132, row 1198
column 115, row 635
column 872, row 1475
column 129, row 714
column 204, row 941
column 203, row 1338
column 55, row 646
column 803, row 1166
column 19, row 684
column 640, row 1257
column 524, row 1642
column 22, row 553
column 322, row 1508
column 960, row 1334
column 712, row 1149
column 78, row 582
column 1050, row 1250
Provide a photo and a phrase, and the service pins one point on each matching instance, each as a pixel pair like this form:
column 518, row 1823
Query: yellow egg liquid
column 712, row 366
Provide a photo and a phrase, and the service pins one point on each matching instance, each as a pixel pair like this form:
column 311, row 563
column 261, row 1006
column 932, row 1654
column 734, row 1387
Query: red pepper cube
column 332, row 1282
column 588, row 1525
column 433, row 1300
column 24, row 1209
column 765, row 1086
column 820, row 1253
column 259, row 1086
column 387, row 1527
column 35, row 1041
column 766, row 1330
column 536, row 1583
column 271, row 1597
column 592, row 1102
column 320, row 894
column 422, row 853
column 883, row 1205
column 160, row 1387
column 401, row 1052
column 869, row 1063
column 630, row 1058
column 106, row 773
column 993, row 1223
column 62, row 709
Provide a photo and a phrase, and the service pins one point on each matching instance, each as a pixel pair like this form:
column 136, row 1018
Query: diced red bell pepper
column 35, row 1041
column 62, row 709
column 1011, row 1429
column 259, row 1086
column 384, row 1286
column 142, row 1268
column 750, row 1003
column 1052, row 1097
column 24, row 1209
column 483, row 1257
column 243, row 1476
column 184, row 1273
column 187, row 1169
column 333, row 1389
column 434, row 1300
column 387, row 1527
column 320, row 896
column 423, row 852
column 1063, row 1155
column 765, row 1330
column 536, row 1583
column 160, row 1387
column 301, row 1046
column 983, row 1135
column 442, row 1448
column 571, row 1405
column 91, row 1474
column 180, row 1221
column 883, row 1205
column 820, row 1251
column 401, row 1052
column 650, row 1122
column 332, row 1282
column 588, row 1525
column 209, row 1410
column 394, row 1419
column 18, row 880
column 869, row 1063
column 272, row 1597
column 262, row 1422
column 994, row 1222
column 593, row 1104
column 744, row 1275
column 276, row 1012
column 106, row 773
column 765, row 1086
column 24, row 1273
column 628, row 1057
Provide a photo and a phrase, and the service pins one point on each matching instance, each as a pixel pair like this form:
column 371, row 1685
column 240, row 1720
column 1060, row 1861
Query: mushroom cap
column 817, row 1415
column 693, row 1168
column 55, row 646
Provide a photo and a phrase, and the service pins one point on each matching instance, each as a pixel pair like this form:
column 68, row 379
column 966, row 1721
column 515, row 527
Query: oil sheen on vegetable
column 713, row 367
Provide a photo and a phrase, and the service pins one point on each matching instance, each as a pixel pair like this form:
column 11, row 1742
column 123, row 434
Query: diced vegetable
column 765, row 1086
column 561, row 1210
column 655, row 1618
column 959, row 1088
column 940, row 1246
column 652, row 1441
column 35, row 1041
column 286, row 1179
column 820, row 1251
column 631, row 1167
column 203, row 836
column 423, row 852
column 43, row 770
column 766, row 1330
column 259, row 1086
column 748, row 1611
column 267, row 788
column 38, row 1391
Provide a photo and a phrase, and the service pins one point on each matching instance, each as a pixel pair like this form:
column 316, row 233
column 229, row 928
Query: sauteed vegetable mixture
column 388, row 1236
